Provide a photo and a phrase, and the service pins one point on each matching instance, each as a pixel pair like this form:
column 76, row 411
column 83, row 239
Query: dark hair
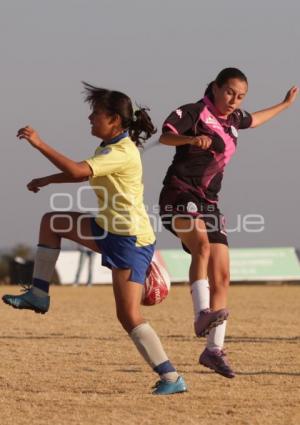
column 222, row 78
column 113, row 102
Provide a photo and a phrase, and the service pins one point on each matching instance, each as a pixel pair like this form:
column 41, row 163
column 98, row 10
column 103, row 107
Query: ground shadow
column 238, row 339
column 254, row 373
column 129, row 370
column 268, row 372
column 61, row 336
column 261, row 339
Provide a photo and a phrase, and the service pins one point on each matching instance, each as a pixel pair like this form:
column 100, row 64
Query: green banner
column 246, row 264
column 177, row 262
column 264, row 264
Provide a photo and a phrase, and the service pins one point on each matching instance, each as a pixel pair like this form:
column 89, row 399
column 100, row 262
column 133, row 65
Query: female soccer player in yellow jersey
column 205, row 135
column 121, row 232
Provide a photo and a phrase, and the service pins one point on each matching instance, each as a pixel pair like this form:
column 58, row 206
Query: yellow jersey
column 117, row 182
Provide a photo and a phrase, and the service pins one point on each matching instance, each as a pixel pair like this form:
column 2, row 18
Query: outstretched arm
column 69, row 167
column 35, row 184
column 260, row 117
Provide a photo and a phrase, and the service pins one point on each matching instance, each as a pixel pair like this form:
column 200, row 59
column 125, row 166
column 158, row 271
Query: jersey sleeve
column 108, row 160
column 181, row 120
column 242, row 119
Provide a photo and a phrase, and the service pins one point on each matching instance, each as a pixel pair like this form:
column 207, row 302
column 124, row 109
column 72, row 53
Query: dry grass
column 75, row 365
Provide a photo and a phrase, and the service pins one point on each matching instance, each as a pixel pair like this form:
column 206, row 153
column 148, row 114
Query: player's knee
column 222, row 280
column 201, row 249
column 57, row 223
column 47, row 219
column 129, row 319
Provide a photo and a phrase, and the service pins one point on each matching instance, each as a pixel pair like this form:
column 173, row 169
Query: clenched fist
column 203, row 142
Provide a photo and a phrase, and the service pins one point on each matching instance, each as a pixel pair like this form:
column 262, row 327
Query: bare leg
column 219, row 277
column 194, row 236
column 72, row 225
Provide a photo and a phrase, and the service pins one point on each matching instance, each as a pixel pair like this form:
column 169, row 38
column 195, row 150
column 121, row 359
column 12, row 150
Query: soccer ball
column 157, row 285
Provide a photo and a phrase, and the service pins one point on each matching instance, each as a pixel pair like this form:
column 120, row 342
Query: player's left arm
column 76, row 170
column 260, row 117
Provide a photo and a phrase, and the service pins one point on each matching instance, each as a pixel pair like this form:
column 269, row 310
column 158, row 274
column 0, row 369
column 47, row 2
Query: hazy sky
column 162, row 53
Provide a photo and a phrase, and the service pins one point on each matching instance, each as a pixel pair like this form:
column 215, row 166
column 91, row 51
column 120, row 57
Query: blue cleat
column 165, row 387
column 28, row 301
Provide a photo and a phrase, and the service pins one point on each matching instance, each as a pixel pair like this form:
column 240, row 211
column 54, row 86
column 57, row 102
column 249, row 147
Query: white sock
column 150, row 347
column 44, row 264
column 215, row 338
column 200, row 295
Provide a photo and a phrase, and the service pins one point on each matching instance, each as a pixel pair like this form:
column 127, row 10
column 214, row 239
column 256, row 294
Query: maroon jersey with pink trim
column 194, row 168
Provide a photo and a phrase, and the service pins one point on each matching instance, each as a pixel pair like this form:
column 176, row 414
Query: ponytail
column 141, row 127
column 208, row 92
column 138, row 123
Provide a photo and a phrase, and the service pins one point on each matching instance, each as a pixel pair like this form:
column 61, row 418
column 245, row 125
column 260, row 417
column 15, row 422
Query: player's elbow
column 80, row 171
column 255, row 122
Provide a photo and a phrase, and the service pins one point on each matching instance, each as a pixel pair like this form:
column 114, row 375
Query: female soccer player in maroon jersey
column 205, row 136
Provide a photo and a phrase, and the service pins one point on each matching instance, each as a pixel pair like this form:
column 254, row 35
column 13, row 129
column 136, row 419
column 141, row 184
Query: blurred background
column 163, row 55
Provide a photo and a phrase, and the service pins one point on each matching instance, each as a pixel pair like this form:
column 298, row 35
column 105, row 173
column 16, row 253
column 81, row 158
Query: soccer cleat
column 165, row 387
column 208, row 319
column 217, row 361
column 29, row 301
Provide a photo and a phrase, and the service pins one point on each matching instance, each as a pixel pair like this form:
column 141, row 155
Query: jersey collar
column 115, row 139
column 214, row 111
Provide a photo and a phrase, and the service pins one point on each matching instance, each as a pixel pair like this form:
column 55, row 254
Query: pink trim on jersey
column 221, row 159
column 209, row 103
column 170, row 126
column 216, row 126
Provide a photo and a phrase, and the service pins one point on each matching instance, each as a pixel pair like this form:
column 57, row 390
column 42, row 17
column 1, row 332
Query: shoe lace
column 156, row 384
column 25, row 286
column 223, row 358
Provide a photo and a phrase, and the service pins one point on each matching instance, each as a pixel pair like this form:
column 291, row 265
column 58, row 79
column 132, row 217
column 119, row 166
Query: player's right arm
column 172, row 139
column 180, row 122
column 35, row 184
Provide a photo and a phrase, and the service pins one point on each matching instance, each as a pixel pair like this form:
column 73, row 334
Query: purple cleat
column 217, row 361
column 208, row 319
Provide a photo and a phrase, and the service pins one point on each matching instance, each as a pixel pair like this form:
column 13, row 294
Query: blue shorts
column 121, row 252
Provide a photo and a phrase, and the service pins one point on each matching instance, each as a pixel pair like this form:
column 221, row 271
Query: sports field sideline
column 75, row 365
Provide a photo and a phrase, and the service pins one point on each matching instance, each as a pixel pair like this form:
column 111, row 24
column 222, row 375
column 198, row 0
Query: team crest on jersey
column 179, row 113
column 191, row 207
column 234, row 131
column 105, row 151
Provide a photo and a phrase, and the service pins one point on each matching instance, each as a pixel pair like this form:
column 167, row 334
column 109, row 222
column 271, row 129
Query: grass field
column 75, row 365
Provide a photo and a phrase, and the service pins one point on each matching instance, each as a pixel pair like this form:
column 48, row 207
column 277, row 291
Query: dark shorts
column 174, row 202
column 121, row 252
